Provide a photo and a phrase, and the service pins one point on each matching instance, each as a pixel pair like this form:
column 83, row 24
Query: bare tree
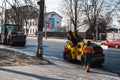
column 98, row 13
column 94, row 13
column 21, row 14
column 72, row 9
column 117, row 11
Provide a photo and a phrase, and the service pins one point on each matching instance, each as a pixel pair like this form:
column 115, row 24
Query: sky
column 51, row 5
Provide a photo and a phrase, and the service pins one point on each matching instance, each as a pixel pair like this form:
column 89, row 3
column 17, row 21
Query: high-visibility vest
column 88, row 49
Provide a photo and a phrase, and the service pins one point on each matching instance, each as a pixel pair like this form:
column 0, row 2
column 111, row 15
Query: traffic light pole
column 39, row 53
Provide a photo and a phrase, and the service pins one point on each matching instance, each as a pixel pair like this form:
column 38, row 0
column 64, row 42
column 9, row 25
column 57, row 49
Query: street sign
column 97, row 21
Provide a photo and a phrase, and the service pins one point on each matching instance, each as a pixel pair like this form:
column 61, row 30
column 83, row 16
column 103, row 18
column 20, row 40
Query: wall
column 55, row 27
column 31, row 25
column 56, row 24
column 113, row 36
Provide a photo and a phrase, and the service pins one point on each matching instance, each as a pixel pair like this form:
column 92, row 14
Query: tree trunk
column 39, row 53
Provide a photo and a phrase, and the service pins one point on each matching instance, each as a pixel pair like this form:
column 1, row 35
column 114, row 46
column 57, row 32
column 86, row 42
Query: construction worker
column 88, row 51
column 72, row 37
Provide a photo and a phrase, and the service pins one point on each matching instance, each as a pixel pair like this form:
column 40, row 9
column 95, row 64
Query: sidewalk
column 53, row 72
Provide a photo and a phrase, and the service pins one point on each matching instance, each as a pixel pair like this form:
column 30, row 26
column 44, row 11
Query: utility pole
column 5, row 22
column 70, row 28
column 45, row 24
column 97, row 22
column 39, row 53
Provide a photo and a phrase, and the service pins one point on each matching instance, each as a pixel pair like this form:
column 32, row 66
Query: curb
column 50, row 39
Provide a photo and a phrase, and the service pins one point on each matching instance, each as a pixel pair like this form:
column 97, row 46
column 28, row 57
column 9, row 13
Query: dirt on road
column 11, row 58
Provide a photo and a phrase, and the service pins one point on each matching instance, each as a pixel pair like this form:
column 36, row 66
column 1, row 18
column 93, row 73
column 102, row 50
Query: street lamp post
column 45, row 24
column 70, row 28
column 39, row 53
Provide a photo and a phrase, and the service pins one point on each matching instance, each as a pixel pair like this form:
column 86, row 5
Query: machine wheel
column 82, row 60
column 64, row 55
column 23, row 44
column 11, row 42
column 8, row 41
column 97, row 62
column 67, row 56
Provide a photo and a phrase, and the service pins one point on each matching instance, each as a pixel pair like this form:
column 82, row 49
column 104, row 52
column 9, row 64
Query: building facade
column 52, row 23
column 27, row 17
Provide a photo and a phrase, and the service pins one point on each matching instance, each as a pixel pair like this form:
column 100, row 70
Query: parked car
column 112, row 43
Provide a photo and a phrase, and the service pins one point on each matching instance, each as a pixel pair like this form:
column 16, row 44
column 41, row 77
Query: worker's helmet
column 88, row 43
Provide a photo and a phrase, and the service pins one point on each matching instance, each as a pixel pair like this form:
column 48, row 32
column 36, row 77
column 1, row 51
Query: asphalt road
column 112, row 60
column 53, row 50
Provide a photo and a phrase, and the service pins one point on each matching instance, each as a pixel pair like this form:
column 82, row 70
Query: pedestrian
column 88, row 52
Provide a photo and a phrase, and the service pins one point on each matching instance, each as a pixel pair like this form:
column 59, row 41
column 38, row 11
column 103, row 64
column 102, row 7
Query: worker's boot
column 87, row 69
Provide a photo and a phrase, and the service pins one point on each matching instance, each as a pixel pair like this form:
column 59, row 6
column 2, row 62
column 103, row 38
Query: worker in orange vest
column 88, row 52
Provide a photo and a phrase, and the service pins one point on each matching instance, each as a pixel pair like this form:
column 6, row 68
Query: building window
column 52, row 15
column 33, row 23
column 30, row 31
column 33, row 30
column 30, row 23
column 57, row 22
